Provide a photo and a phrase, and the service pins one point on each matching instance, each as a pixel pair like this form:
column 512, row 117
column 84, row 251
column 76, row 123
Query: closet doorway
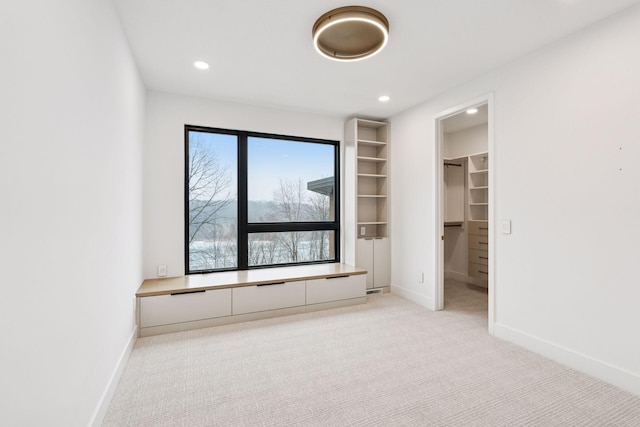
column 464, row 209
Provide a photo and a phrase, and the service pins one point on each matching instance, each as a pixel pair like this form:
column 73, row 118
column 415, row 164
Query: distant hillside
column 259, row 211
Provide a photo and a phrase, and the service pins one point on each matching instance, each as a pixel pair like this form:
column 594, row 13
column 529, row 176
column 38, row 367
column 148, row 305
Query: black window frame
column 245, row 228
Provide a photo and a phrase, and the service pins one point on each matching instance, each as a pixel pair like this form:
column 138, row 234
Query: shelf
column 373, row 195
column 485, row 187
column 480, row 171
column 480, row 154
column 371, row 223
column 371, row 175
column 373, row 124
column 371, row 159
column 371, row 143
column 478, row 204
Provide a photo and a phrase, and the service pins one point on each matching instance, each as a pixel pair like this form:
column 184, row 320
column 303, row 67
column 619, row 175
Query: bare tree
column 290, row 202
column 208, row 183
column 318, row 207
column 319, row 210
column 264, row 250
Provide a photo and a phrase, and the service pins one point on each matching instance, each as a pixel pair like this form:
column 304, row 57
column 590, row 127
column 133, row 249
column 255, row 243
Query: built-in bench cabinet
column 184, row 307
column 335, row 288
column 270, row 296
column 203, row 300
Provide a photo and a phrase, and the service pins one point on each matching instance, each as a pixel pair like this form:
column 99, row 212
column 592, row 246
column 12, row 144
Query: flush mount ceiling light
column 472, row 110
column 350, row 33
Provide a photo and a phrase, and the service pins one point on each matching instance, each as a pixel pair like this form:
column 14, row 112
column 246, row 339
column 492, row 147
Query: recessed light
column 384, row 98
column 472, row 110
column 201, row 65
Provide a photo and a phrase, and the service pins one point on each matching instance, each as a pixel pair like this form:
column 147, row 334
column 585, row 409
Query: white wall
column 567, row 132
column 167, row 115
column 465, row 142
column 72, row 109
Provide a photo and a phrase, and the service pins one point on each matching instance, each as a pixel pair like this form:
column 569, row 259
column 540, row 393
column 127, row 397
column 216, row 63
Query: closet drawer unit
column 271, row 296
column 480, row 228
column 184, row 307
column 478, row 242
column 478, row 271
column 477, row 256
column 336, row 288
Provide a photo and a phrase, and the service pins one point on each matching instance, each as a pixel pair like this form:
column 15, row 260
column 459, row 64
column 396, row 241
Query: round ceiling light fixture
column 350, row 33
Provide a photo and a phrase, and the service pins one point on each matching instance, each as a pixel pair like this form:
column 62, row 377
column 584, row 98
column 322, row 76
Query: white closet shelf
column 478, row 204
column 372, row 223
column 486, row 187
column 480, row 171
column 372, row 159
column 372, row 195
column 371, row 143
column 372, row 175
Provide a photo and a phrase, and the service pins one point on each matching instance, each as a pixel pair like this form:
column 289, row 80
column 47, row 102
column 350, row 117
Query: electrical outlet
column 420, row 277
column 162, row 270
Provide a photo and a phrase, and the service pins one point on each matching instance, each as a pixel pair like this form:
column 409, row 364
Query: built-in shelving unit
column 478, row 187
column 371, row 171
column 366, row 198
column 478, row 205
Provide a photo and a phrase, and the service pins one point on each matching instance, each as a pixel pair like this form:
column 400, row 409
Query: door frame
column 438, row 202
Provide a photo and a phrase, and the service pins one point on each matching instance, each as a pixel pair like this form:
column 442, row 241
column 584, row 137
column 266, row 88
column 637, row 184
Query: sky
column 270, row 160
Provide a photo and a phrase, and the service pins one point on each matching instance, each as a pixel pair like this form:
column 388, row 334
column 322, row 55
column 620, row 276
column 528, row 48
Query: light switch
column 506, row 226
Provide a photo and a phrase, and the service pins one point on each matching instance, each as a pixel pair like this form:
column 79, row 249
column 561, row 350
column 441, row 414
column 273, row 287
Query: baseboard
column 467, row 279
column 619, row 377
column 419, row 299
column 450, row 274
column 105, row 400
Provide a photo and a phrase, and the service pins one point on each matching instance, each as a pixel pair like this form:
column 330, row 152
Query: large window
column 256, row 200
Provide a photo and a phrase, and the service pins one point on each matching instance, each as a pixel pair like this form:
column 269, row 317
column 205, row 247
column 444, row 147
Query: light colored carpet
column 386, row 363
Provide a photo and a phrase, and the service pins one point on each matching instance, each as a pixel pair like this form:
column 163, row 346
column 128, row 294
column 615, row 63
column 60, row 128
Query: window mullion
column 243, row 236
column 258, row 227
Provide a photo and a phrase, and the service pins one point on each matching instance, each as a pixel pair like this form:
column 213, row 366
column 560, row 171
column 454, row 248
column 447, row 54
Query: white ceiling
column 462, row 120
column 261, row 52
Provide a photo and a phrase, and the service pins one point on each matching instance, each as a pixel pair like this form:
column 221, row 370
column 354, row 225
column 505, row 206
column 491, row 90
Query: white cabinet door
column 364, row 258
column 251, row 299
column 336, row 288
column 374, row 255
column 184, row 307
column 381, row 262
